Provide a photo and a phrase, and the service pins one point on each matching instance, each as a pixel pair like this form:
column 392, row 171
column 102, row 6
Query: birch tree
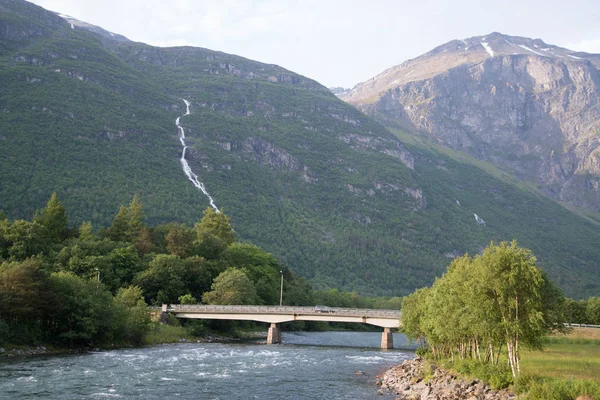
column 514, row 284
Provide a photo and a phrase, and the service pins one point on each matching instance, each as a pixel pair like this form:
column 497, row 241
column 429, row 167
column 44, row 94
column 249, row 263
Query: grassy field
column 568, row 367
column 574, row 356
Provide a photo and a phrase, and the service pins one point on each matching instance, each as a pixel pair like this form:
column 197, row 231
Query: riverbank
column 419, row 379
column 174, row 336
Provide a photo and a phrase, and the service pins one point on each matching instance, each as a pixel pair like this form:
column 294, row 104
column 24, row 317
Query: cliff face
column 528, row 107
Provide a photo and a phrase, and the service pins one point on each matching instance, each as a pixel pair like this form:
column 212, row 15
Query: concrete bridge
column 277, row 314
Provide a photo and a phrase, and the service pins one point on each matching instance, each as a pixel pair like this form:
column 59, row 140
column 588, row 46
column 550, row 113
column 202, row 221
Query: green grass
column 569, row 367
column 576, row 356
column 163, row 333
column 536, row 387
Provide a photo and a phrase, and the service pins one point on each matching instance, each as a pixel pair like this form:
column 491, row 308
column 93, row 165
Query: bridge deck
column 276, row 314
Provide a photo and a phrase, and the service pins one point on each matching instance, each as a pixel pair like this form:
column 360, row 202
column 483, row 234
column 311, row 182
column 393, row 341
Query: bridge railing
column 360, row 312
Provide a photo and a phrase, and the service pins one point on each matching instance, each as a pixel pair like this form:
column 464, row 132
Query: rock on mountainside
column 528, row 107
column 339, row 91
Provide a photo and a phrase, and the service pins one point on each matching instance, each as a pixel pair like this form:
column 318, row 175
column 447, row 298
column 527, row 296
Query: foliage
column 78, row 290
column 216, row 224
column 164, row 280
column 232, row 286
column 54, row 219
column 179, row 240
column 187, row 299
column 135, row 316
column 497, row 376
column 165, row 333
column 23, row 300
column 481, row 303
column 83, row 312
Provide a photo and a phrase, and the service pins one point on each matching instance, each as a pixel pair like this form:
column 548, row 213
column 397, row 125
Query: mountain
column 332, row 193
column 339, row 91
column 528, row 107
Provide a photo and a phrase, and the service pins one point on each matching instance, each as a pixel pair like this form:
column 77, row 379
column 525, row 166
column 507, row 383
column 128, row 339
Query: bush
column 196, row 327
column 497, row 376
column 422, row 351
column 163, row 333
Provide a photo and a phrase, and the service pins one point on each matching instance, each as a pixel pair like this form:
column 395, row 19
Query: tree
column 164, row 280
column 215, row 223
column 575, row 311
column 514, row 284
column 82, row 313
column 211, row 247
column 120, row 225
column 25, row 239
column 413, row 312
column 231, row 287
column 86, row 231
column 198, row 275
column 261, row 268
column 187, row 299
column 296, row 291
column 144, row 242
column 180, row 240
column 136, row 218
column 134, row 314
column 4, row 242
column 23, row 298
column 592, row 310
column 54, row 219
column 483, row 302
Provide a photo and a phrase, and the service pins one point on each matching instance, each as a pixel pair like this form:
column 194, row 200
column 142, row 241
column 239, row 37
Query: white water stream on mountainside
column 184, row 164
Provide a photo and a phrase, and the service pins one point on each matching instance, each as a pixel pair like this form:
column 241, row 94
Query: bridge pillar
column 274, row 335
column 387, row 340
column 163, row 314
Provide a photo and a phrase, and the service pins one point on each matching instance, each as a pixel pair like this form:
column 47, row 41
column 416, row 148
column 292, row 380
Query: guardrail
column 583, row 325
column 319, row 310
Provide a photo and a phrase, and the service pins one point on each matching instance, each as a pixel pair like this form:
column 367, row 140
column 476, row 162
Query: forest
column 83, row 287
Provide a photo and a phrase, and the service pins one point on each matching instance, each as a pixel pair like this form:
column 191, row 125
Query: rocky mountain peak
column 459, row 52
column 529, row 107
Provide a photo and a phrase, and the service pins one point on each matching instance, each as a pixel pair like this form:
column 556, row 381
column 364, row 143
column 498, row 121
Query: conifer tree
column 86, row 231
column 54, row 219
column 120, row 225
column 136, row 217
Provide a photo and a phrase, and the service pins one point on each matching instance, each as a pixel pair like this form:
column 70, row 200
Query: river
column 309, row 365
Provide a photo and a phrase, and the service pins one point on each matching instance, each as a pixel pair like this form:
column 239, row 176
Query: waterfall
column 184, row 164
column 479, row 220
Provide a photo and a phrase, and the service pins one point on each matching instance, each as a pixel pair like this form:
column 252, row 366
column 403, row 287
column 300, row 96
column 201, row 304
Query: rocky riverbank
column 418, row 379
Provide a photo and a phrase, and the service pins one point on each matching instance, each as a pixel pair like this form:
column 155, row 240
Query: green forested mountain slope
column 302, row 174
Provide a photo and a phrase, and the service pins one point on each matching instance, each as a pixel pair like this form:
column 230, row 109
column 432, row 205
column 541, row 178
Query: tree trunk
column 498, row 355
column 511, row 360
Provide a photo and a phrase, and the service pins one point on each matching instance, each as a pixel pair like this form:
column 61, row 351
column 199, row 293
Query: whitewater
column 184, row 164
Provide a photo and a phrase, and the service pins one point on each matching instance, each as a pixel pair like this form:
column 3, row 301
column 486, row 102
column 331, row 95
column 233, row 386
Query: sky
column 336, row 42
